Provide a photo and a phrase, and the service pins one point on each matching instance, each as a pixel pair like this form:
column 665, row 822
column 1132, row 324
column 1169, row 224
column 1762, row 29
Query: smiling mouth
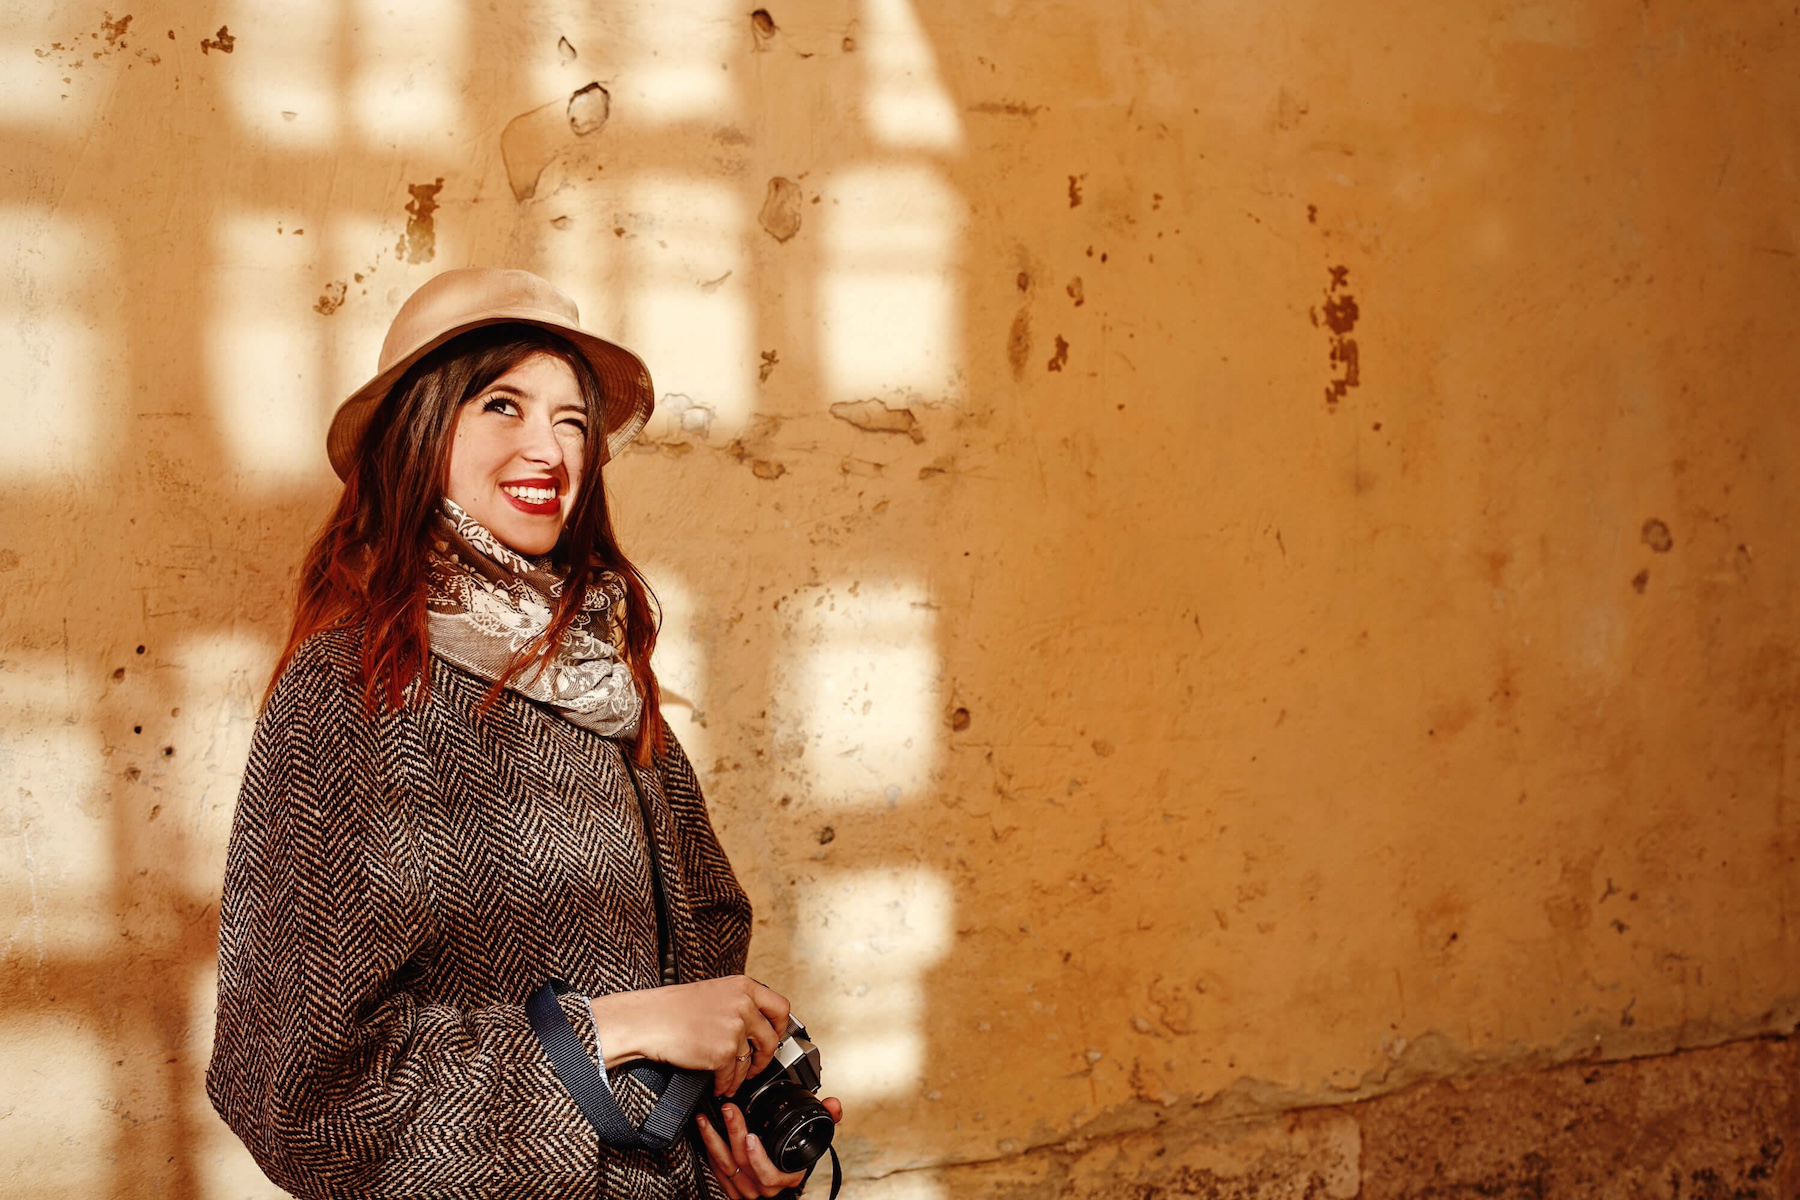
column 540, row 497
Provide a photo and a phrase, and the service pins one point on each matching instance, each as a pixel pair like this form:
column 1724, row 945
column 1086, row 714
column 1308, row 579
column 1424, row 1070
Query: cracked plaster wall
column 1220, row 558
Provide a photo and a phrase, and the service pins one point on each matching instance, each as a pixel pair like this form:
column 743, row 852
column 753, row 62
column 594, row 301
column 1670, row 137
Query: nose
column 539, row 443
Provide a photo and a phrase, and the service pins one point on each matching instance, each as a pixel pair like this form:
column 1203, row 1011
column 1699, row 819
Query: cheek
column 575, row 456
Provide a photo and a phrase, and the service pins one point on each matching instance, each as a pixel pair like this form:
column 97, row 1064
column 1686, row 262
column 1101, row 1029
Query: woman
column 461, row 785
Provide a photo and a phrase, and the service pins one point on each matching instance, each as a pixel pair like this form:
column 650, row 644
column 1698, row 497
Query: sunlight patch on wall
column 906, row 103
column 680, row 662
column 32, row 91
column 264, row 345
column 357, row 308
column 868, row 675
column 222, row 680
column 889, row 296
column 689, row 319
column 907, row 1185
column 54, row 341
column 57, row 1139
column 56, row 855
column 583, row 260
column 225, row 1169
column 283, row 77
column 682, row 49
column 868, row 940
column 409, row 59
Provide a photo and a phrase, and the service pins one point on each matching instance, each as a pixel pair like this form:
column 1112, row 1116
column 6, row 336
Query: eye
column 504, row 405
column 578, row 424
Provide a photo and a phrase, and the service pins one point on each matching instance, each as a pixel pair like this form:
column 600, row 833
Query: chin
column 532, row 546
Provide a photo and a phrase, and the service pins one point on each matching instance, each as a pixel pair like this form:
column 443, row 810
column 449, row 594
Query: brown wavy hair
column 366, row 569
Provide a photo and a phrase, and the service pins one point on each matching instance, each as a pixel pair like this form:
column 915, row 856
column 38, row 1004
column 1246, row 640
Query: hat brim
column 624, row 380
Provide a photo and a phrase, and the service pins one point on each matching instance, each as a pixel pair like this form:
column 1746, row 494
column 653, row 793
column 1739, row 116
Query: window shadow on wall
column 205, row 241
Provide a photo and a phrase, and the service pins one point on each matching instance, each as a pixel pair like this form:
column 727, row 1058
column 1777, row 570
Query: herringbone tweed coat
column 396, row 886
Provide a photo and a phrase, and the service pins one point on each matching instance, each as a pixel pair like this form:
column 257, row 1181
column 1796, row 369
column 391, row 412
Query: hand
column 743, row 1167
column 728, row 1026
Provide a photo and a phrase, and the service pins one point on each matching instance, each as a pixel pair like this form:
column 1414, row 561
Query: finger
column 731, row 1176
column 763, row 1040
column 734, row 1125
column 764, row 1170
column 744, row 1065
column 773, row 1005
column 835, row 1107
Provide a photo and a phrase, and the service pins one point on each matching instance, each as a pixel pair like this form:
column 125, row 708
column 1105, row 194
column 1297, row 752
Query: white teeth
column 532, row 495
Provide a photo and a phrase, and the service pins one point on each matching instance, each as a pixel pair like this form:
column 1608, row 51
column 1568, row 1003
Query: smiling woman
column 517, row 455
column 461, row 787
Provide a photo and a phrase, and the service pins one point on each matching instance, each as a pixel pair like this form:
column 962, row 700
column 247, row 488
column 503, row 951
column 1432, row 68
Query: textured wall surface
column 1221, row 559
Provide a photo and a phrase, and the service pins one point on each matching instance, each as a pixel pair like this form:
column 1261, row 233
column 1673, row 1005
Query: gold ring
column 743, row 1058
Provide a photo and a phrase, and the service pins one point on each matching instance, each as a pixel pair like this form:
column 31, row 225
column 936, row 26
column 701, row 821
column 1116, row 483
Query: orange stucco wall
column 1218, row 556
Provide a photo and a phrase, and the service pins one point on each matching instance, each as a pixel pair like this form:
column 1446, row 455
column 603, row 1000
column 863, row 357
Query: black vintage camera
column 781, row 1106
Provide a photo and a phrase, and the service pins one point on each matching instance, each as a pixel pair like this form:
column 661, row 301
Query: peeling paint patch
column 419, row 243
column 770, row 360
column 533, row 140
column 780, row 215
column 1656, row 535
column 764, row 469
column 1075, row 190
column 221, row 41
column 589, row 108
column 565, row 50
column 872, row 416
column 762, row 28
column 1060, row 359
column 1076, row 292
column 332, row 298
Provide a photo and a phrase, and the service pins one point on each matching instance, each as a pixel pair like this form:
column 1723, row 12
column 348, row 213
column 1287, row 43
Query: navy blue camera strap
column 678, row 1091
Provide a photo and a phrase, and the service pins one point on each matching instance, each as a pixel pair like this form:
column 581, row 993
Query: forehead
column 542, row 377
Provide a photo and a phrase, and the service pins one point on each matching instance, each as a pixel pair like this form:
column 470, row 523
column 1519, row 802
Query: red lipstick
column 537, row 508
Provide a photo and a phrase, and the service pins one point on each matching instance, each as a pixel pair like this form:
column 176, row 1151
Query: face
column 515, row 461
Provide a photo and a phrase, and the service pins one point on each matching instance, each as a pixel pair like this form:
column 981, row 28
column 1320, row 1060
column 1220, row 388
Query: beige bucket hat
column 460, row 300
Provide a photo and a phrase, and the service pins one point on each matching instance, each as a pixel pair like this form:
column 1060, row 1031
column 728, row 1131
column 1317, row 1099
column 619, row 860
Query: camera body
column 781, row 1106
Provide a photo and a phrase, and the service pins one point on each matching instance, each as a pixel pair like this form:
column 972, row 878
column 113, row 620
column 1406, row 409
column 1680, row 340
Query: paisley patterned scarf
column 487, row 602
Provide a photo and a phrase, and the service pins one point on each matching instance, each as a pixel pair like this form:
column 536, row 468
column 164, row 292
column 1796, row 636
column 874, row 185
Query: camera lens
column 794, row 1127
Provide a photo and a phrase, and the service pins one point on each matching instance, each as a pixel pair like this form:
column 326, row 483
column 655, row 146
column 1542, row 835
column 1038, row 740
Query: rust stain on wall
column 1340, row 314
column 1018, row 343
column 419, row 243
column 332, row 298
column 221, row 41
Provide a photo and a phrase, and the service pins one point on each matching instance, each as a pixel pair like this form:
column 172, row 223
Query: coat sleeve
column 340, row 1079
